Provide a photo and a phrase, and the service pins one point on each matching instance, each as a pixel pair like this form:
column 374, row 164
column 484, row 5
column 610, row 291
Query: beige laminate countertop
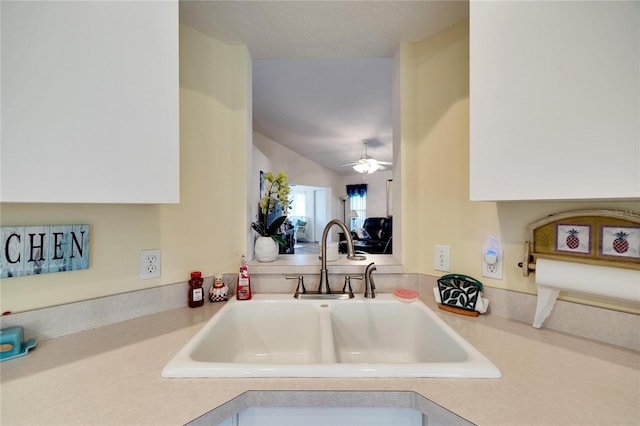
column 111, row 376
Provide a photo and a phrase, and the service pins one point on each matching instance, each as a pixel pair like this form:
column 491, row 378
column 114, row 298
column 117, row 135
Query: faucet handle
column 300, row 289
column 347, row 284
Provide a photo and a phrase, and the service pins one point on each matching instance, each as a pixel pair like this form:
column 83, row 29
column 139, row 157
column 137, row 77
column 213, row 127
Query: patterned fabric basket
column 459, row 291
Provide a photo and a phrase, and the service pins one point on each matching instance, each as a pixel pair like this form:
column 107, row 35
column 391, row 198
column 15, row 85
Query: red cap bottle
column 243, row 291
column 196, row 292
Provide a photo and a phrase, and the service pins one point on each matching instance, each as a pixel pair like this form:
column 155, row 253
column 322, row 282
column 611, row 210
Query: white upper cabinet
column 554, row 100
column 90, row 102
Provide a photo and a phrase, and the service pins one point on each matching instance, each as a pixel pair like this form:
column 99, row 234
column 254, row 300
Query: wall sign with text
column 32, row 250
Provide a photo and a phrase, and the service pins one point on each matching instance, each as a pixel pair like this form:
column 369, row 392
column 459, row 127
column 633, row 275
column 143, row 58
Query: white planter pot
column 266, row 249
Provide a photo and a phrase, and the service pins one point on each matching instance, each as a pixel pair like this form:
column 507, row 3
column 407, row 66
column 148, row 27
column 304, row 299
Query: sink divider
column 328, row 352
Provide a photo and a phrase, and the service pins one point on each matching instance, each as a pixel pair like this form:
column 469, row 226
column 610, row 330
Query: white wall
column 376, row 191
column 302, row 171
column 314, row 212
column 259, row 162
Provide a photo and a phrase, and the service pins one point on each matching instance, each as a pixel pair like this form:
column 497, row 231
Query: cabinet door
column 89, row 102
column 555, row 100
column 330, row 416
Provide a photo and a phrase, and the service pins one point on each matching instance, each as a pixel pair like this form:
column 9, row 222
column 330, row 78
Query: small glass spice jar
column 219, row 292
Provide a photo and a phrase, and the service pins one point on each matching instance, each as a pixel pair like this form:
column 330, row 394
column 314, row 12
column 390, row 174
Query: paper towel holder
column 528, row 264
column 584, row 236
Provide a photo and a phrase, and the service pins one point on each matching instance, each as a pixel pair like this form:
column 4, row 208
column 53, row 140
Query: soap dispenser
column 243, row 290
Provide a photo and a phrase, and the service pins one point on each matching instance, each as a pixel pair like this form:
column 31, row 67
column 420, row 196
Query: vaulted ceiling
column 322, row 70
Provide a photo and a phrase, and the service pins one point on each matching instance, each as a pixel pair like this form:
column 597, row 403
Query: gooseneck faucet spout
column 324, row 288
column 369, row 284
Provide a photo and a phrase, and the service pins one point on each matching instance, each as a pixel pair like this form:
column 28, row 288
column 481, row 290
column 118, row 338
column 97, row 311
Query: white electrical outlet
column 492, row 270
column 442, row 258
column 149, row 264
column 492, row 259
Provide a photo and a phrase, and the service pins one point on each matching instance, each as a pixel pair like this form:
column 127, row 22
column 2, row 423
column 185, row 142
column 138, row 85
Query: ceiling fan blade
column 369, row 160
column 374, row 161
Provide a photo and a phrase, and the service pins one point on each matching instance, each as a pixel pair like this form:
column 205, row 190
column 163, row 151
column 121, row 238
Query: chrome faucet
column 346, row 289
column 324, row 288
column 369, row 285
column 300, row 289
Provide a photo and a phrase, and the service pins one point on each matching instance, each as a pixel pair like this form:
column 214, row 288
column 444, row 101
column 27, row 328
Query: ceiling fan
column 367, row 164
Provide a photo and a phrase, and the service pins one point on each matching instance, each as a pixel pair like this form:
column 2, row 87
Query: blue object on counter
column 12, row 344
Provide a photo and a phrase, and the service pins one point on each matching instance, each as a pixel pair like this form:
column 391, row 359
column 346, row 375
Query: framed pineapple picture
column 573, row 238
column 620, row 241
column 602, row 237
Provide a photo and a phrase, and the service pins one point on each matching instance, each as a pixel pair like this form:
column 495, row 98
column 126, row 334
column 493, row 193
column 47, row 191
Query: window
column 357, row 205
column 298, row 204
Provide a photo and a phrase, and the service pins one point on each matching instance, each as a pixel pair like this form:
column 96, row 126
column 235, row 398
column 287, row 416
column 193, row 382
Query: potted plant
column 276, row 194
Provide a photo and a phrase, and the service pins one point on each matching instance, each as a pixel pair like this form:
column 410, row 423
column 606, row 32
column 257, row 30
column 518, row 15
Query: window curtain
column 358, row 202
column 359, row 190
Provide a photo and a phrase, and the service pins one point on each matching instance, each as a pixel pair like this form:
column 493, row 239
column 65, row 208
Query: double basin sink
column 275, row 335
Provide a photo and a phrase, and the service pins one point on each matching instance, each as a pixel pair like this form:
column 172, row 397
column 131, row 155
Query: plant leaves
column 278, row 239
column 259, row 228
column 275, row 225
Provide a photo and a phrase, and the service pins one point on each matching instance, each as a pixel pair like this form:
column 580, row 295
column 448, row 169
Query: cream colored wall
column 435, row 173
column 117, row 233
column 205, row 231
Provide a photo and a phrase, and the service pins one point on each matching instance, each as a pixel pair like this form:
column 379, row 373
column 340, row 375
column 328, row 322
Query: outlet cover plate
column 492, row 270
column 149, row 264
column 442, row 258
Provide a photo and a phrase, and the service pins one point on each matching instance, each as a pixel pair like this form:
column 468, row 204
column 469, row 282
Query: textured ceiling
column 321, row 29
column 322, row 69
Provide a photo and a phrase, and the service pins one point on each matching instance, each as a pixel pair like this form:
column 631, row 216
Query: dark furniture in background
column 379, row 239
column 288, row 237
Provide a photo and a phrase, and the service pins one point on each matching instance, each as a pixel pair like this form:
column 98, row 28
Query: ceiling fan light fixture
column 367, row 164
column 367, row 167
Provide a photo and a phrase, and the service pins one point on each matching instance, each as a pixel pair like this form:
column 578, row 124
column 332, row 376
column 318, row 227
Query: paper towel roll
column 552, row 276
column 604, row 281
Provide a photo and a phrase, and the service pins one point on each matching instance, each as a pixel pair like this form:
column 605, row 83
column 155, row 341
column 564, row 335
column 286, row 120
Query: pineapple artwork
column 621, row 241
column 620, row 244
column 573, row 238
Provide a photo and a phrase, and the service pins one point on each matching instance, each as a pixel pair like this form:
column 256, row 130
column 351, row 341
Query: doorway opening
column 308, row 216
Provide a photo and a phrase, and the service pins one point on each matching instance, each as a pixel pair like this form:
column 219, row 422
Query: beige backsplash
column 605, row 325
